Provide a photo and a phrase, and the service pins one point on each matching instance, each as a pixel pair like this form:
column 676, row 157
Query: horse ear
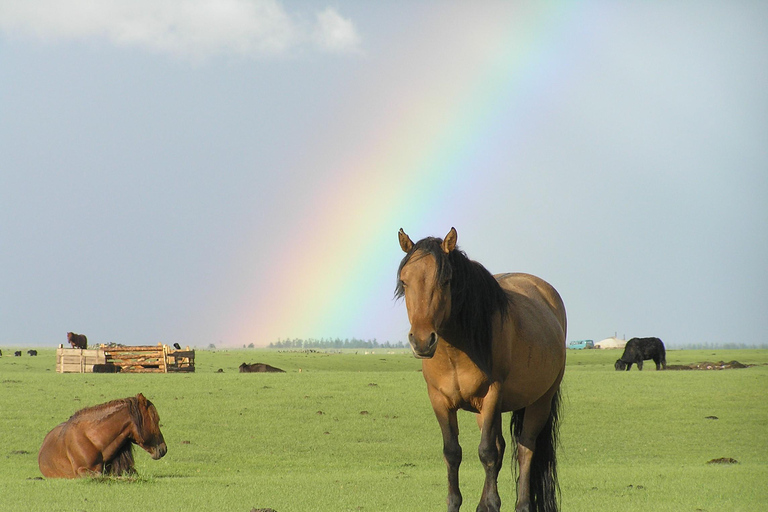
column 141, row 398
column 406, row 244
column 449, row 243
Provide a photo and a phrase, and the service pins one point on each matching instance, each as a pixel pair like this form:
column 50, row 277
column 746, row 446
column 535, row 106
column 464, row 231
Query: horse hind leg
column 535, row 430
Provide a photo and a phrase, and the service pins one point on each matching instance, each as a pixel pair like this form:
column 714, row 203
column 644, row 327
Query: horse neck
column 110, row 430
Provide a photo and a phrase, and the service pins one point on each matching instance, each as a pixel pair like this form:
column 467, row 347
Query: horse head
column 148, row 434
column 424, row 279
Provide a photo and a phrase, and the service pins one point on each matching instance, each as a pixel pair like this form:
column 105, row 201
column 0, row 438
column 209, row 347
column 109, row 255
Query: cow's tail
column 545, row 489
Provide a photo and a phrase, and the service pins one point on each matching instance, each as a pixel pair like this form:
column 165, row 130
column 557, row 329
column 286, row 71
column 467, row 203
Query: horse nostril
column 432, row 339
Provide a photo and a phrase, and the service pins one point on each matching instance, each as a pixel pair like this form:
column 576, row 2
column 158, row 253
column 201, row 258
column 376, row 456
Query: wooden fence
column 131, row 359
column 75, row 360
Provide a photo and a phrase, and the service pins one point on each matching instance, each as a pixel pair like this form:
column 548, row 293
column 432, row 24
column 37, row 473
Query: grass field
column 355, row 432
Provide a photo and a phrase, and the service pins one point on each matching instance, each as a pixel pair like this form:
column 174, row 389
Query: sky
column 236, row 171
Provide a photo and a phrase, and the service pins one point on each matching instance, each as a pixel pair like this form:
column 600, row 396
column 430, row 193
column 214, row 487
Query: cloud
column 186, row 28
column 335, row 33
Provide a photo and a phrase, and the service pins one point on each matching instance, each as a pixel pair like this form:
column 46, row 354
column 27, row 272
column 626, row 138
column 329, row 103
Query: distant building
column 611, row 343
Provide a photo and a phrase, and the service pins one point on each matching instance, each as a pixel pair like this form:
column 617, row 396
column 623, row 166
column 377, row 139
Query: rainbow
column 339, row 264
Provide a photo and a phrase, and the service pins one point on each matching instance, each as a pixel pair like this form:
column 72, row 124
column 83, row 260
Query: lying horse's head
column 147, row 422
column 424, row 279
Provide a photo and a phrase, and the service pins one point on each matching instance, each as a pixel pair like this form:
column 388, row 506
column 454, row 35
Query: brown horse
column 77, row 340
column 99, row 440
column 489, row 344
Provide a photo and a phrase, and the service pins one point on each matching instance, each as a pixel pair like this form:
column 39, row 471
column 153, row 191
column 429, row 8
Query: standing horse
column 488, row 344
column 77, row 340
column 99, row 440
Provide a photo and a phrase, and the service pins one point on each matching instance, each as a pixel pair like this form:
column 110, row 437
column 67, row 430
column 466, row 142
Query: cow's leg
column 658, row 363
column 629, row 366
column 640, row 365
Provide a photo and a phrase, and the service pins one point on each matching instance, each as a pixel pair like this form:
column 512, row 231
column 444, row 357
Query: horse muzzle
column 159, row 451
column 423, row 348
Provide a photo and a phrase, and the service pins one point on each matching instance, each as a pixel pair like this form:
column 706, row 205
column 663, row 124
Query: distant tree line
column 717, row 346
column 337, row 343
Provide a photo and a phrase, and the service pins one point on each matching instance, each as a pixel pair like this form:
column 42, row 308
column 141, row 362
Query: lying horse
column 259, row 368
column 99, row 440
column 489, row 344
column 77, row 340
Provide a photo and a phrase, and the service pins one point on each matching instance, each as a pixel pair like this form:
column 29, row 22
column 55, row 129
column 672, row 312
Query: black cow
column 259, row 368
column 1, row 353
column 17, row 353
column 177, row 346
column 32, row 352
column 639, row 349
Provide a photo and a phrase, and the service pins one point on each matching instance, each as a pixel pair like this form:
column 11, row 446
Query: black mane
column 476, row 297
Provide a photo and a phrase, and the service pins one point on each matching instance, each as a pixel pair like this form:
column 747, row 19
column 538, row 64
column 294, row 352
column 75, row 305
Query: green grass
column 354, row 432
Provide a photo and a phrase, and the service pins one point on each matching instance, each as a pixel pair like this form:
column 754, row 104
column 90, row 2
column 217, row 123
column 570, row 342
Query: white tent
column 611, row 343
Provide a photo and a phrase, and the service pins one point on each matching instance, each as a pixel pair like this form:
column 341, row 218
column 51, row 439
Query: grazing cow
column 259, row 368
column 77, row 340
column 639, row 349
column 32, row 352
column 17, row 353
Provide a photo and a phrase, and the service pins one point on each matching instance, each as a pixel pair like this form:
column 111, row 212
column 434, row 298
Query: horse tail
column 544, row 486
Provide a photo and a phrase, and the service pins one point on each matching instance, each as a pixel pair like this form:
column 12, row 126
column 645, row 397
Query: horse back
column 530, row 354
column 534, row 289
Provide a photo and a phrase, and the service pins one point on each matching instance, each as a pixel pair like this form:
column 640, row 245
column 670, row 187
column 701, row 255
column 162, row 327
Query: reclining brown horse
column 99, row 440
column 489, row 344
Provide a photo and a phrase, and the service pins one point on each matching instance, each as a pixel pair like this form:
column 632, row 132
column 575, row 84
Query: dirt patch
column 706, row 365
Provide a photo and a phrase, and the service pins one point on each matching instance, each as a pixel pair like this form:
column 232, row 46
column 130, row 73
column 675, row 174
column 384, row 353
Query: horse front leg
column 449, row 427
column 491, row 450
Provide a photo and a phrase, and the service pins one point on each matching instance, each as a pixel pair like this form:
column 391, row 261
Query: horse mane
column 476, row 297
column 122, row 463
column 105, row 410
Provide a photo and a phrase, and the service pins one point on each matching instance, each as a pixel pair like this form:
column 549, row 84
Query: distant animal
column 177, row 346
column 99, row 440
column 1, row 353
column 489, row 344
column 259, row 368
column 17, row 353
column 77, row 340
column 106, row 368
column 32, row 352
column 639, row 349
